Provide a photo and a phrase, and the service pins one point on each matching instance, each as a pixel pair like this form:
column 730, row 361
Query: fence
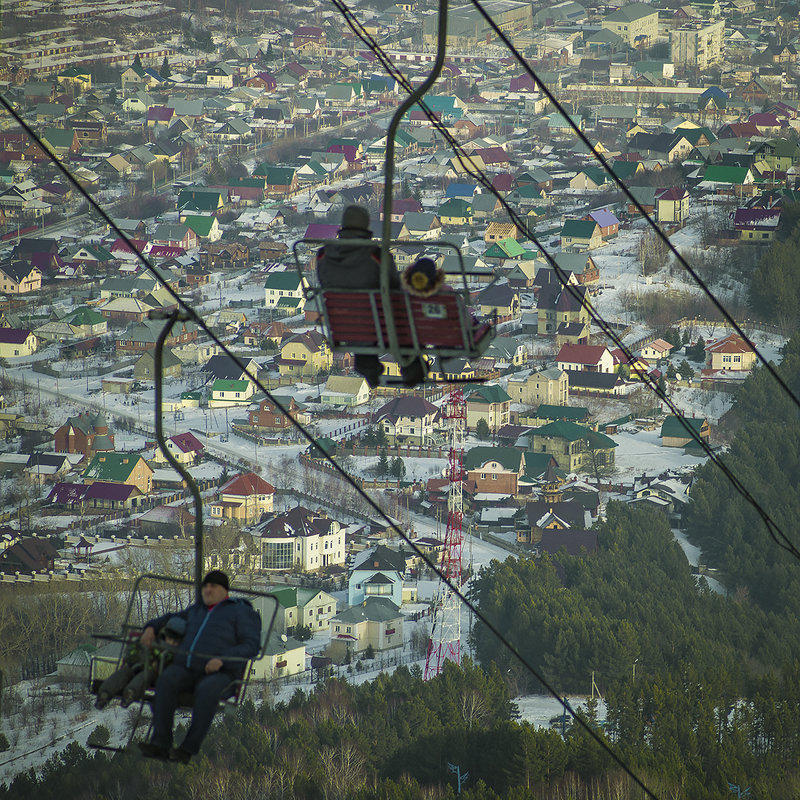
column 103, row 369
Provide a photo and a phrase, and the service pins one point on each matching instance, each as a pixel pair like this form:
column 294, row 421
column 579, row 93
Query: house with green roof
column 283, row 285
column 92, row 255
column 298, row 605
column 377, row 622
column 636, row 23
column 592, row 179
column 199, row 201
column 61, row 141
column 229, row 393
column 674, row 434
column 726, row 179
column 548, row 413
column 75, row 80
column 504, row 250
column 206, row 227
column 779, row 154
column 580, row 234
column 575, row 447
column 455, row 211
column 490, row 403
column 128, row 469
column 87, row 322
column 279, row 181
column 495, row 470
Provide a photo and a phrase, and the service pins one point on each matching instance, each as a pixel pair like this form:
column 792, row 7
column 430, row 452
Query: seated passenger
column 352, row 266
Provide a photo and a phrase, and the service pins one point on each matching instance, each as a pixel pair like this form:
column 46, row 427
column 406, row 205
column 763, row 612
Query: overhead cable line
column 774, row 530
column 424, row 556
column 633, row 200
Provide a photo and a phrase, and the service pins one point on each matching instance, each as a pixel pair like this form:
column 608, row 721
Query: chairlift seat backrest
column 439, row 325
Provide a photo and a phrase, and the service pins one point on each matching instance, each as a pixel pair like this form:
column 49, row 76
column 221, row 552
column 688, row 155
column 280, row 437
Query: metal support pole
column 388, row 187
column 171, row 318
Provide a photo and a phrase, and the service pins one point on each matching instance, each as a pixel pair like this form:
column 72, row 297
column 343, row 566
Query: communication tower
column 445, row 641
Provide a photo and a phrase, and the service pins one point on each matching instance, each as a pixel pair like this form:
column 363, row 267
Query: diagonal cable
column 629, row 195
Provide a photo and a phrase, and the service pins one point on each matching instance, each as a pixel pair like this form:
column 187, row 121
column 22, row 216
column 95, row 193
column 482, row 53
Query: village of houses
column 233, row 151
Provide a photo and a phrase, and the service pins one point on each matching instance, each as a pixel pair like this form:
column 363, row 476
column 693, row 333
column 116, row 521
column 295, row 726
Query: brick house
column 86, row 433
column 267, row 417
column 495, row 469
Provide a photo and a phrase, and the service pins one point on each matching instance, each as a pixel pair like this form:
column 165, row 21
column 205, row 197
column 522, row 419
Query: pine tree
column 398, row 469
column 383, row 464
column 137, row 62
column 482, row 429
column 165, row 71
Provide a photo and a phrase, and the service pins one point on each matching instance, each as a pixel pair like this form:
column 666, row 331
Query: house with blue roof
column 464, row 190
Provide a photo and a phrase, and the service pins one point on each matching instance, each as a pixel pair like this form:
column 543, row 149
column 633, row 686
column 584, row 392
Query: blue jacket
column 229, row 630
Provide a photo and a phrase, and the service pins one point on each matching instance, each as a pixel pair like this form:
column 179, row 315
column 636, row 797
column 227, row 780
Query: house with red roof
column 309, row 39
column 185, row 447
column 585, row 358
column 767, row 124
column 263, row 81
column 402, row 206
column 657, row 349
column 738, row 130
column 159, row 115
column 27, row 556
column 756, row 224
column 672, row 205
column 16, row 342
column 243, row 499
column 492, row 156
column 731, row 353
column 503, row 182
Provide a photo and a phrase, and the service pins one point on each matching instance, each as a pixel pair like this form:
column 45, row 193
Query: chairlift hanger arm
column 388, row 186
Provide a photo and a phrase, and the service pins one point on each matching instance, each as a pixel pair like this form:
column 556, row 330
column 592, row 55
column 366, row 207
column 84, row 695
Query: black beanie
column 218, row 577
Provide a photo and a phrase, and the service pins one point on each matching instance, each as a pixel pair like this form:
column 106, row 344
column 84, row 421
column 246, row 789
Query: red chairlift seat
column 436, row 326
column 439, row 325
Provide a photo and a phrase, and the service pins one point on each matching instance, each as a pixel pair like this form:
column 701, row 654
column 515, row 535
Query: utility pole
column 461, row 777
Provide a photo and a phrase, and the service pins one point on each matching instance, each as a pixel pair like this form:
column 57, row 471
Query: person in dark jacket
column 221, row 635
column 352, row 266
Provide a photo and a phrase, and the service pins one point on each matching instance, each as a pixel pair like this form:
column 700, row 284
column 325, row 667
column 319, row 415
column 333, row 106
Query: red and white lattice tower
column 445, row 642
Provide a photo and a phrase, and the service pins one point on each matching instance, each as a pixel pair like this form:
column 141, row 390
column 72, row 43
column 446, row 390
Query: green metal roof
column 111, row 467
column 491, row 393
column 572, row 432
column 579, row 228
column 224, row 385
column 374, row 609
column 508, row 457
column 672, row 426
column 286, row 280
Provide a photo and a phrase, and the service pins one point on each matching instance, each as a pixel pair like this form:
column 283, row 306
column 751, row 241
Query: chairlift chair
column 154, row 595
column 355, row 320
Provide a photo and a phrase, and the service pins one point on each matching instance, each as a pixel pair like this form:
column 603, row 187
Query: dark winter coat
column 349, row 266
column 230, row 629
